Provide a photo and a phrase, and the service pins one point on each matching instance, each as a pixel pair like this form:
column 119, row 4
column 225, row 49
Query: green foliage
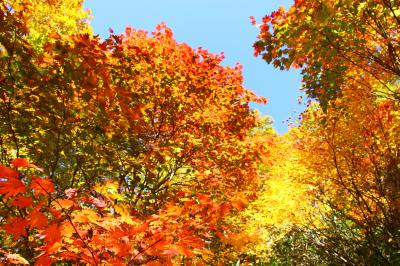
column 334, row 42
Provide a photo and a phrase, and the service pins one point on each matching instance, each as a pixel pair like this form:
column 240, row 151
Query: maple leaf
column 11, row 186
column 85, row 216
column 69, row 255
column 203, row 198
column 154, row 263
column 187, row 238
column 185, row 250
column 7, row 172
column 52, row 247
column 67, row 230
column 42, row 185
column 20, row 162
column 52, row 233
column 239, row 204
column 253, row 20
column 37, row 219
column 43, row 259
column 63, row 203
column 52, row 236
column 92, row 79
column 170, row 251
column 120, row 248
column 22, row 201
column 16, row 226
column 54, row 35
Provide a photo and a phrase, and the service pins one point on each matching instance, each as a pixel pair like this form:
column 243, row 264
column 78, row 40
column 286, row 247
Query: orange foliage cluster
column 143, row 142
column 71, row 227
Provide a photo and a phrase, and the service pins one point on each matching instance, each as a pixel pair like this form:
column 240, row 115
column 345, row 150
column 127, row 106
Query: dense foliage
column 348, row 140
column 138, row 149
column 130, row 150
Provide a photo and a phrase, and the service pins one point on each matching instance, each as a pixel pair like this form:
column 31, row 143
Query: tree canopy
column 140, row 150
column 347, row 141
column 111, row 144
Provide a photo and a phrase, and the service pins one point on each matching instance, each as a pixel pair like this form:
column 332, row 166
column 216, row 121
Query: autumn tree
column 354, row 152
column 283, row 205
column 44, row 18
column 334, row 42
column 115, row 141
column 348, row 53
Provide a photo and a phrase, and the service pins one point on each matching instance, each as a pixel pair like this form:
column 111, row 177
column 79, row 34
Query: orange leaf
column 22, row 202
column 203, row 198
column 44, row 259
column 170, row 252
column 189, row 239
column 52, row 232
column 153, row 263
column 91, row 78
column 54, row 35
column 42, row 185
column 7, row 172
column 52, row 247
column 63, row 203
column 238, row 204
column 20, row 162
column 37, row 219
column 186, row 251
column 16, row 227
column 11, row 186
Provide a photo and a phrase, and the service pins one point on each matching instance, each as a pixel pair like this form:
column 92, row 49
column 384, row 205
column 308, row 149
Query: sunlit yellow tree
column 348, row 52
column 44, row 18
column 284, row 204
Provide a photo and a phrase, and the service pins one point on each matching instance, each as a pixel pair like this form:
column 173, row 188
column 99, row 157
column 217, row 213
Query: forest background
column 140, row 150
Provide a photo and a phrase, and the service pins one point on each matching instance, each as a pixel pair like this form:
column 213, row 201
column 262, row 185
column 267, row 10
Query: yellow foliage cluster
column 44, row 18
column 284, row 201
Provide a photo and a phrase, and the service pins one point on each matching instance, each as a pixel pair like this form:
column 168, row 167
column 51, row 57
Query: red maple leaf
column 52, row 233
column 16, row 226
column 20, row 162
column 22, row 201
column 42, row 185
column 37, row 219
column 11, row 186
column 7, row 172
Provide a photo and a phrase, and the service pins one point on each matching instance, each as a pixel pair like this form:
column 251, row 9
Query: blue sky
column 216, row 25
